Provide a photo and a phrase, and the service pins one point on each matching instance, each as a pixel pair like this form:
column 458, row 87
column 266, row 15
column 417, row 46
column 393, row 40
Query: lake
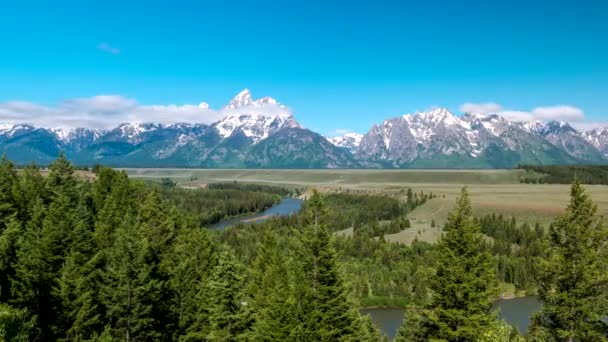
column 516, row 311
column 287, row 206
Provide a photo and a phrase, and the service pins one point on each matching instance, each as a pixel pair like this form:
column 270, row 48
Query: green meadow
column 492, row 191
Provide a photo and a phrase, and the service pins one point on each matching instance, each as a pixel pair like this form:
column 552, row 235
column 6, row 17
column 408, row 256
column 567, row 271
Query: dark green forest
column 564, row 174
column 115, row 259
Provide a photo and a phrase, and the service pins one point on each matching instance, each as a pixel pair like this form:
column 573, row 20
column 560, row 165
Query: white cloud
column 108, row 111
column 341, row 131
column 516, row 115
column 559, row 113
column 588, row 126
column 104, row 111
column 266, row 109
column 546, row 113
column 105, row 47
column 480, row 108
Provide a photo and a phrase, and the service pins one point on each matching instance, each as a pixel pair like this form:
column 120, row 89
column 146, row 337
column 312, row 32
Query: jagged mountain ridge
column 438, row 138
column 253, row 133
column 263, row 134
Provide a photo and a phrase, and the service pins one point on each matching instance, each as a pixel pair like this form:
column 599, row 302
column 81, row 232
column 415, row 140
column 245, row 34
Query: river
column 516, row 311
column 287, row 206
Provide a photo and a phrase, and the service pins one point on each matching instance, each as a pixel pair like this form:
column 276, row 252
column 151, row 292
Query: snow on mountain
column 132, row 132
column 437, row 137
column 257, row 119
column 598, row 138
column 67, row 135
column 349, row 141
column 244, row 99
column 262, row 132
column 256, row 127
column 11, row 130
column 534, row 126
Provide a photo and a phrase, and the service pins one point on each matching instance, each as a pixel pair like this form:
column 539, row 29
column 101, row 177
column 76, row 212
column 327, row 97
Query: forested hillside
column 112, row 259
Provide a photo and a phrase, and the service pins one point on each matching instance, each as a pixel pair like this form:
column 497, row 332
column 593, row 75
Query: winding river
column 287, row 206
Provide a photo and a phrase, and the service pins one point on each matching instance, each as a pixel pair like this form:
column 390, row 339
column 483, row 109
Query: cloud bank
column 108, row 111
column 549, row 113
column 481, row 108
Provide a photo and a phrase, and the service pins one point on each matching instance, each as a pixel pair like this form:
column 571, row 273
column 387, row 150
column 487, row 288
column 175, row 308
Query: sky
column 338, row 65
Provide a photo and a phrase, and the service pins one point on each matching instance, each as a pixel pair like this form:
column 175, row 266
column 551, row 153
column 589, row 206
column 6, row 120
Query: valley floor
column 492, row 191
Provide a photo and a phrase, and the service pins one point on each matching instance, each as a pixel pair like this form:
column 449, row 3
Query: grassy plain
column 491, row 190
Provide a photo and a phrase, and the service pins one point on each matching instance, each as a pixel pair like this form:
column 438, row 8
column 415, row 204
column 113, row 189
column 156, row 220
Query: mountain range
column 246, row 137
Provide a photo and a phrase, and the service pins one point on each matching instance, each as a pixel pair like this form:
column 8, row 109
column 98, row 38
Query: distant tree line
column 214, row 204
column 565, row 174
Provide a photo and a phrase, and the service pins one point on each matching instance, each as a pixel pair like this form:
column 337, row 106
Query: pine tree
column 271, row 292
column 325, row 310
column 412, row 328
column 129, row 290
column 189, row 267
column 227, row 319
column 61, row 173
column 32, row 186
column 8, row 257
column 80, row 316
column 10, row 227
column 35, row 272
column 464, row 283
column 574, row 279
column 8, row 184
column 15, row 324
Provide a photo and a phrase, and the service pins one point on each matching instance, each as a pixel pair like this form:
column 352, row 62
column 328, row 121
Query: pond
column 287, row 206
column 516, row 311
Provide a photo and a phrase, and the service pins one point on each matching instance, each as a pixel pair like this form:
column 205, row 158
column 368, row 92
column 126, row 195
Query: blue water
column 516, row 312
column 288, row 206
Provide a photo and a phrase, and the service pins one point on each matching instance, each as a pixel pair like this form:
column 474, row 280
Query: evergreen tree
column 129, row 290
column 61, row 173
column 271, row 293
column 10, row 227
column 35, row 272
column 412, row 328
column 80, row 315
column 15, row 324
column 324, row 308
column 189, row 267
column 227, row 321
column 8, row 257
column 32, row 186
column 8, row 183
column 574, row 280
column 464, row 283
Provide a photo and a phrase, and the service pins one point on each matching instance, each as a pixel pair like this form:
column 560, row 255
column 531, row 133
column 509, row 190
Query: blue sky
column 337, row 64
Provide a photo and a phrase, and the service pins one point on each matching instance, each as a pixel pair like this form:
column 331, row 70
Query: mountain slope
column 294, row 147
column 262, row 133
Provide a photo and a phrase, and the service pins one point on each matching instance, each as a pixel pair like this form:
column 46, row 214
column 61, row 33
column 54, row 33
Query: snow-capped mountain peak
column 243, row 105
column 557, row 127
column 67, row 135
column 349, row 140
column 598, row 137
column 10, row 130
column 242, row 99
column 132, row 131
column 254, row 126
column 265, row 100
column 534, row 126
